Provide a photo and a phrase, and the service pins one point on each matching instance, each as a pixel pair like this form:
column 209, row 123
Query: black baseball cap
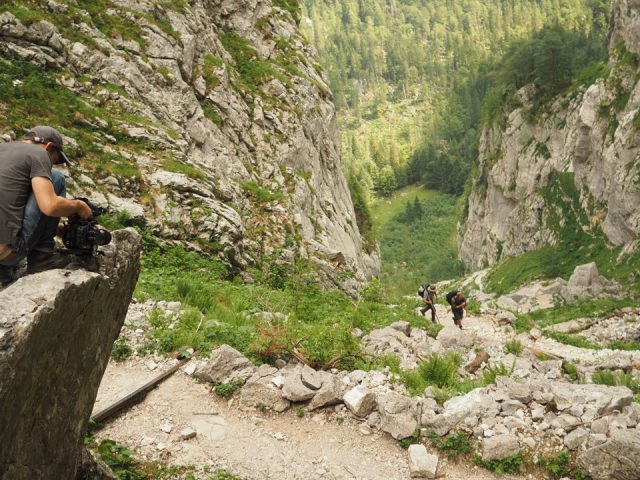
column 43, row 134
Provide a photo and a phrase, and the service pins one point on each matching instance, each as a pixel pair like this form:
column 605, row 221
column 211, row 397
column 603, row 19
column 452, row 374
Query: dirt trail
column 251, row 444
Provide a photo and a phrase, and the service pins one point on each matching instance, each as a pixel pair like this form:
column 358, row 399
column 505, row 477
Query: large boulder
column 226, row 364
column 597, row 399
column 585, row 282
column 56, row 333
column 465, row 410
column 616, row 459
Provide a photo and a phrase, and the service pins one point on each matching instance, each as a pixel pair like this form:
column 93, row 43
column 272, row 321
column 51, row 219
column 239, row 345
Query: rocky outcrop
column 56, row 333
column 592, row 137
column 616, row 459
column 218, row 119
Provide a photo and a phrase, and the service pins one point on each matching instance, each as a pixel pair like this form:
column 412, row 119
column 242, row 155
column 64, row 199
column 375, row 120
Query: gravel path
column 251, row 444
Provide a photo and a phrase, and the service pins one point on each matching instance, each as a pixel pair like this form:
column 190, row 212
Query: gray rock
column 421, row 463
column 600, row 426
column 330, row 393
column 596, row 439
column 601, row 398
column 360, row 401
column 585, row 281
column 397, row 415
column 187, row 433
column 261, row 393
column 402, row 326
column 473, row 405
column 499, row 447
column 294, row 389
column 616, row 459
column 46, row 399
column 225, row 364
column 510, row 407
column 576, row 439
column 453, row 337
column 551, row 369
column 520, row 392
column 566, row 422
column 310, row 378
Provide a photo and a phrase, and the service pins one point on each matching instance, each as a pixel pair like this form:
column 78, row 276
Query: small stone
column 187, row 433
column 161, row 446
column 151, row 365
column 190, row 368
column 278, row 381
column 365, row 430
column 278, row 436
column 166, row 427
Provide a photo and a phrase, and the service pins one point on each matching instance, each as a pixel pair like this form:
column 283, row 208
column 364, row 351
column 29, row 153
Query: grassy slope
column 420, row 249
column 578, row 242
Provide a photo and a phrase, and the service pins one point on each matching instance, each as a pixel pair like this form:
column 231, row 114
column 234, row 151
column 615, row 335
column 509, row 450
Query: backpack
column 450, row 296
column 422, row 288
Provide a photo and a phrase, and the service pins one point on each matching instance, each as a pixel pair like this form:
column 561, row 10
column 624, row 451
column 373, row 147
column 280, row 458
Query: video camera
column 82, row 237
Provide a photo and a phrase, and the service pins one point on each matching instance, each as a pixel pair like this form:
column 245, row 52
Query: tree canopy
column 409, row 77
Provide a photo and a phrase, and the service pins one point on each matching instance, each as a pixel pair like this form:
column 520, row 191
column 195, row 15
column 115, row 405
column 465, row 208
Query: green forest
column 414, row 80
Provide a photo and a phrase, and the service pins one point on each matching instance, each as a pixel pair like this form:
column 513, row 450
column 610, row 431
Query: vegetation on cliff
column 409, row 78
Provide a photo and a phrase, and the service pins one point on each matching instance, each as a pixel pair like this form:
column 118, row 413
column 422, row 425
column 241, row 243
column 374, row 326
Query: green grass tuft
column 180, row 167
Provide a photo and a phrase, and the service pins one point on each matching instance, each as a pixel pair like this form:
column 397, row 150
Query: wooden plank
column 136, row 396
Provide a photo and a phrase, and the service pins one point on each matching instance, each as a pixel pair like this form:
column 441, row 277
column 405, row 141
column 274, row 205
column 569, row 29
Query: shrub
column 570, row 369
column 514, row 347
column 120, row 459
column 261, row 194
column 452, row 445
column 558, row 465
column 618, row 378
column 511, row 464
column 229, row 388
column 439, row 371
column 497, row 370
column 121, row 350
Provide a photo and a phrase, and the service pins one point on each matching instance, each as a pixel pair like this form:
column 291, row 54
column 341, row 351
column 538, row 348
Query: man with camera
column 32, row 200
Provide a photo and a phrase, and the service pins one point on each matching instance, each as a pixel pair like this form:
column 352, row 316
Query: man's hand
column 83, row 210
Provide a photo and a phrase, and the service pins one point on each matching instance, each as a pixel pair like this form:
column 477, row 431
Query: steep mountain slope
column 409, row 77
column 207, row 120
column 564, row 183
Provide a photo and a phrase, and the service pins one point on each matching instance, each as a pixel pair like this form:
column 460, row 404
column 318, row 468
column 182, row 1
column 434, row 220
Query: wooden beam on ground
column 136, row 396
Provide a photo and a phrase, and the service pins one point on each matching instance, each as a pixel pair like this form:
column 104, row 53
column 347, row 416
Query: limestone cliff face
column 56, row 333
column 593, row 134
column 233, row 126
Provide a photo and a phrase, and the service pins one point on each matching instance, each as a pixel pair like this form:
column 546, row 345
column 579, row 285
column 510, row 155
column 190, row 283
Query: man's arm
column 54, row 206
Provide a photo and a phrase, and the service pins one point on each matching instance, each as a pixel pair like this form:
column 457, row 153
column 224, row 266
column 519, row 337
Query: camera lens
column 102, row 237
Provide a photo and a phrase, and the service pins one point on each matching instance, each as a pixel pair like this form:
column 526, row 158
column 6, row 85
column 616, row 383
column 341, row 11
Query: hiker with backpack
column 458, row 304
column 429, row 294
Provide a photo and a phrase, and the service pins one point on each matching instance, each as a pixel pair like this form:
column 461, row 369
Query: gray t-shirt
column 19, row 163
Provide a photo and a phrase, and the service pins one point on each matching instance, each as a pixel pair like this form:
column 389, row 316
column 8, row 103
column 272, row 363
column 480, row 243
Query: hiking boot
column 7, row 276
column 42, row 260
